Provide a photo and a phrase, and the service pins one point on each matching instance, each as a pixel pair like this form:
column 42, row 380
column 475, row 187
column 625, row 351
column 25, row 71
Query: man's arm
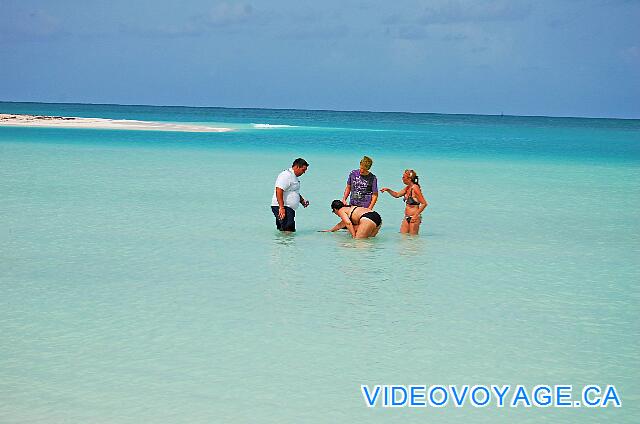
column 303, row 202
column 280, row 198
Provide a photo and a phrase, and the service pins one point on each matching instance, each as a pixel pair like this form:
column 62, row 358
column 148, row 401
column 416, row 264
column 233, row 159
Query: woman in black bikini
column 360, row 221
column 414, row 201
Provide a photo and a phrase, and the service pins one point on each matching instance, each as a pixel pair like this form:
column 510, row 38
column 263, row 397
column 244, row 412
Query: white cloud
column 30, row 25
column 224, row 14
column 631, row 53
column 462, row 11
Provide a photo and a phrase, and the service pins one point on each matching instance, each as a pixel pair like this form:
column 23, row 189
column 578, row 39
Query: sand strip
column 114, row 124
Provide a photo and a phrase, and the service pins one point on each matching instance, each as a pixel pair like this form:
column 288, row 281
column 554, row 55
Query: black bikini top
column 410, row 201
column 351, row 214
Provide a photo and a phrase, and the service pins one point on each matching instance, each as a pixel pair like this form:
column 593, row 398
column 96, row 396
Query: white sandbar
column 115, row 124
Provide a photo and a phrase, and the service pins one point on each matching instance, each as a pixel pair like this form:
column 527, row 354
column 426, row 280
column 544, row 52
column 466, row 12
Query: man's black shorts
column 288, row 223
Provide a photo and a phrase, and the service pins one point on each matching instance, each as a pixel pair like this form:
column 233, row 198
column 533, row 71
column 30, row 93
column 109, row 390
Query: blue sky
column 555, row 58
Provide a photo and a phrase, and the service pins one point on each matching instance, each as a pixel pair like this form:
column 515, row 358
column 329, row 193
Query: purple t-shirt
column 362, row 187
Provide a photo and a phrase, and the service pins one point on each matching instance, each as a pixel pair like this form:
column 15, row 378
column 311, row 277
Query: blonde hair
column 412, row 175
column 366, row 162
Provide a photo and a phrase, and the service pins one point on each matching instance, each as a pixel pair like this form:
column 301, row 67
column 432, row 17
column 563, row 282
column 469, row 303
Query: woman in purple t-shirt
column 362, row 185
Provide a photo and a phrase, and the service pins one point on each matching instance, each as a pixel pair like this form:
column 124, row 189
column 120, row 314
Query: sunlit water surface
column 142, row 279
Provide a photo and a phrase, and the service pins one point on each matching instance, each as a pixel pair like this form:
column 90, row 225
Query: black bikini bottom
column 374, row 216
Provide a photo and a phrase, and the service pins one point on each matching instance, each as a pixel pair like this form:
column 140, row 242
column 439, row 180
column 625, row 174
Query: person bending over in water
column 413, row 199
column 361, row 222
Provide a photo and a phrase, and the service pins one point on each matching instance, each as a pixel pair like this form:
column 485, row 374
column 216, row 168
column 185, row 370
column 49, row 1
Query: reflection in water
column 409, row 245
column 344, row 288
column 282, row 251
column 345, row 241
column 357, row 243
column 284, row 238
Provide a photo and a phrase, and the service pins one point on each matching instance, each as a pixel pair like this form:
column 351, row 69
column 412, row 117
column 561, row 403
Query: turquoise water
column 142, row 279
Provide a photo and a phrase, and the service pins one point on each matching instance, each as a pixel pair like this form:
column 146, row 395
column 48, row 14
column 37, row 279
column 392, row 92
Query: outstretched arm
column 339, row 226
column 395, row 194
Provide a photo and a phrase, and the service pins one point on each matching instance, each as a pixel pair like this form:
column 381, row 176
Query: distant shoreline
column 20, row 120
column 504, row 114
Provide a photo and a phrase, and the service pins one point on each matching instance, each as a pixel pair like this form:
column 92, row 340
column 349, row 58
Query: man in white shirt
column 286, row 197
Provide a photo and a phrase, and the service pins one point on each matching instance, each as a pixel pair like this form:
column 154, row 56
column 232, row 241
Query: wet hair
column 299, row 163
column 412, row 176
column 336, row 204
column 366, row 162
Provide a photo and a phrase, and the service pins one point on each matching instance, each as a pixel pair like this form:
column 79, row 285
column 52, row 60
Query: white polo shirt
column 288, row 182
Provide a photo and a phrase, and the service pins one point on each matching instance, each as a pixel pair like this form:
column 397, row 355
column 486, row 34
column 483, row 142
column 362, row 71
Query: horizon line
column 323, row 110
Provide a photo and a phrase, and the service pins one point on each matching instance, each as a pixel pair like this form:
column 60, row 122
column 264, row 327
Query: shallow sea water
column 142, row 279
